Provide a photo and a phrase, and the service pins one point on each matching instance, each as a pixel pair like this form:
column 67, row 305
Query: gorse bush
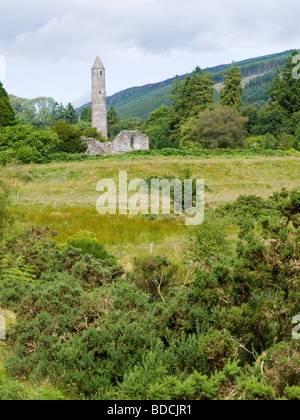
column 218, row 329
column 153, row 274
column 89, row 244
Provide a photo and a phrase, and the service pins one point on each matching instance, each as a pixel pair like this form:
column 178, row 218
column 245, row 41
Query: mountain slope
column 141, row 101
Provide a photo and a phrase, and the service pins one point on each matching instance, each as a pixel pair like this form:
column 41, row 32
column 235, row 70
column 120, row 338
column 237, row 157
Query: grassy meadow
column 63, row 196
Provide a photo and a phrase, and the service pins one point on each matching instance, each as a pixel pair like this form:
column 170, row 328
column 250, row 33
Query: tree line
column 198, row 117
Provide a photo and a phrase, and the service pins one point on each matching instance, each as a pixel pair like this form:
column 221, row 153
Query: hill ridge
column 140, row 101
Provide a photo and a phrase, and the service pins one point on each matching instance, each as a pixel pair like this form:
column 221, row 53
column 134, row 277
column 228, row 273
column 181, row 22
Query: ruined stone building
column 126, row 141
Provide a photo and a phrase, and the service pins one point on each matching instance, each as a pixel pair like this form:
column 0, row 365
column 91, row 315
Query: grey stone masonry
column 99, row 112
column 125, row 142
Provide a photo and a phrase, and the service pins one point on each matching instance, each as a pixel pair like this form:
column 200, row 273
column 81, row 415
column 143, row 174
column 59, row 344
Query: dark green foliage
column 92, row 132
column 232, row 90
column 89, row 244
column 27, row 144
column 191, row 96
column 70, row 138
column 288, row 142
column 285, row 89
column 116, row 125
column 141, row 101
column 113, row 122
column 271, row 119
column 158, row 128
column 7, row 113
column 153, row 274
column 221, row 330
column 86, row 115
column 220, row 127
column 70, row 115
column 256, row 92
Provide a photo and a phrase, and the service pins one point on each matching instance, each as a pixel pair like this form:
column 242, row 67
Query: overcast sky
column 50, row 46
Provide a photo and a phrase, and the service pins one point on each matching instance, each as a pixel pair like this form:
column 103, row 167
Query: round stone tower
column 99, row 113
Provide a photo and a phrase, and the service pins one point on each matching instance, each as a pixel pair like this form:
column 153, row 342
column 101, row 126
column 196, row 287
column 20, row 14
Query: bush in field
column 153, row 274
column 27, row 144
column 89, row 244
column 266, row 142
column 220, row 127
column 288, row 142
column 37, row 250
column 70, row 138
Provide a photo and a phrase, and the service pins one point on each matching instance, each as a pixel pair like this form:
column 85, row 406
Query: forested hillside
column 141, row 101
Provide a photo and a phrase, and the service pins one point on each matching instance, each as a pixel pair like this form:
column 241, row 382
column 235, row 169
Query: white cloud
column 138, row 40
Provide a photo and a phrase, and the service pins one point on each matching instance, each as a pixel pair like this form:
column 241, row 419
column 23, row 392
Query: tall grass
column 63, row 195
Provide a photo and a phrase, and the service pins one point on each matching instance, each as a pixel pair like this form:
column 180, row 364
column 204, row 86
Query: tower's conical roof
column 98, row 63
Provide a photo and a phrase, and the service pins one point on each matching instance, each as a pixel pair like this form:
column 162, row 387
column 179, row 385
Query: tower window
column 101, row 72
column 100, row 92
column 132, row 142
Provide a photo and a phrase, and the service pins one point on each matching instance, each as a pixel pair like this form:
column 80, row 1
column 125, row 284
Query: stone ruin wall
column 125, row 142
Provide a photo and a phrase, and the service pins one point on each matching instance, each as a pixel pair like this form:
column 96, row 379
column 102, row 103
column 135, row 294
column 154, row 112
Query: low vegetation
column 215, row 326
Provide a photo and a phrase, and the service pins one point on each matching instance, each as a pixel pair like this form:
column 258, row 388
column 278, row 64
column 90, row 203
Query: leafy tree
column 17, row 103
column 82, row 125
column 252, row 114
column 112, row 116
column 271, row 119
column 70, row 138
column 288, row 142
column 113, row 122
column 191, row 96
column 157, row 128
column 285, row 90
column 58, row 112
column 266, row 141
column 86, row 115
column 70, row 115
column 220, row 127
column 232, row 91
column 28, row 144
column 38, row 112
column 92, row 132
column 116, row 125
column 7, row 113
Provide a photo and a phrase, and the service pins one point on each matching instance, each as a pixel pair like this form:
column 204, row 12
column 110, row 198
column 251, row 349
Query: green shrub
column 224, row 332
column 92, row 132
column 89, row 244
column 153, row 274
column 70, row 138
column 27, row 144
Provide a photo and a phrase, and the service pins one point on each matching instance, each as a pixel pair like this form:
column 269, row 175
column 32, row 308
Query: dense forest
column 141, row 101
